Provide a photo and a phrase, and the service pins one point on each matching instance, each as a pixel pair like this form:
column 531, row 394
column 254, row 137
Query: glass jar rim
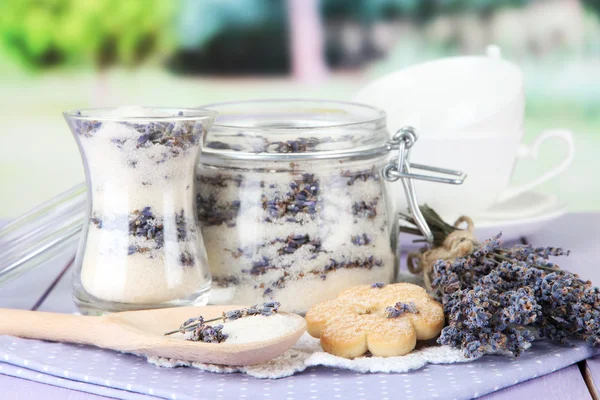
column 377, row 113
column 160, row 113
column 291, row 129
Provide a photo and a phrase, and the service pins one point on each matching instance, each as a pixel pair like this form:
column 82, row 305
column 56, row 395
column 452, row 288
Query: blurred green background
column 63, row 54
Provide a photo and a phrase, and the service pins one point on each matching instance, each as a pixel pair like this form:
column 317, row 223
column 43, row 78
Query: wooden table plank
column 592, row 376
column 564, row 384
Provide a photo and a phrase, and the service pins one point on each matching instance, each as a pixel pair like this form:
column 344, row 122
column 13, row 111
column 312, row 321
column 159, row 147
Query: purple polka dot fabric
column 125, row 376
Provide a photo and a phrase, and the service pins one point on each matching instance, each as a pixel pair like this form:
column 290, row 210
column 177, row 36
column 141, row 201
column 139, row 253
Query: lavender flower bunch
column 201, row 332
column 498, row 300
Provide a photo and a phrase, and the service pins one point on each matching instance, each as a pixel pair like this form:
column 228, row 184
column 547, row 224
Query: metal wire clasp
column 403, row 141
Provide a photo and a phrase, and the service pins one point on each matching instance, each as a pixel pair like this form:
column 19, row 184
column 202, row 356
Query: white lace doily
column 308, row 353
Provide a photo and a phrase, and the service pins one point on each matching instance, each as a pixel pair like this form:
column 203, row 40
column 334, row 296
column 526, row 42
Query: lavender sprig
column 193, row 324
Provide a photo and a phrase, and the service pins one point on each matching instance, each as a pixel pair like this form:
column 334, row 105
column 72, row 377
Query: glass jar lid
column 296, row 130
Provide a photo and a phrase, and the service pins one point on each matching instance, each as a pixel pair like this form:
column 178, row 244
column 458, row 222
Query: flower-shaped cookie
column 386, row 320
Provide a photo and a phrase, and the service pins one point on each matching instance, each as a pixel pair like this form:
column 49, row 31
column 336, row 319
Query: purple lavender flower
column 302, row 198
column 361, row 240
column 87, row 128
column 400, row 308
column 366, row 263
column 295, row 242
column 260, row 267
column 210, row 213
column 233, row 315
column 186, row 259
column 366, row 210
column 192, row 321
column 269, row 308
column 208, row 334
column 362, row 176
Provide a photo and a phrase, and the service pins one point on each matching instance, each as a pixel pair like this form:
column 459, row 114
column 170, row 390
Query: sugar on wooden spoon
column 143, row 332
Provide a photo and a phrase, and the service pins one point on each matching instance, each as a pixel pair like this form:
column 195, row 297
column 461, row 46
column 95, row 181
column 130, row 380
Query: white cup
column 468, row 115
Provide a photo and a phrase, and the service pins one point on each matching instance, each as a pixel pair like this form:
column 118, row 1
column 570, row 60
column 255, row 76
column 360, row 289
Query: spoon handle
column 51, row 326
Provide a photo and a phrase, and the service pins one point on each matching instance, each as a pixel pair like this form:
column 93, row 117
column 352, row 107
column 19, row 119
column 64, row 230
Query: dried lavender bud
column 365, row 210
column 191, row 324
column 260, row 267
column 400, row 308
column 211, row 214
column 266, row 309
column 97, row 222
column 182, row 134
column 280, row 283
column 270, row 308
column 378, row 285
column 208, row 334
column 361, row 240
column 186, row 259
column 363, row 176
column 300, row 145
column 233, row 315
column 225, row 281
column 251, row 250
column 302, row 198
column 521, row 307
column 366, row 263
column 87, row 128
column 294, row 242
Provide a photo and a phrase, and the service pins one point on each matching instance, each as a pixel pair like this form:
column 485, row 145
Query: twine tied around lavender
column 457, row 243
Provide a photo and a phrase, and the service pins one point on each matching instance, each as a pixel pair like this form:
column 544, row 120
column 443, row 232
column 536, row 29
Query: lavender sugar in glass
column 141, row 246
column 291, row 201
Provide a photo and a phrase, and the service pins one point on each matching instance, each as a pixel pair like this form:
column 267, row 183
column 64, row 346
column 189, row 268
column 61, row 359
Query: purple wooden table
column 49, row 289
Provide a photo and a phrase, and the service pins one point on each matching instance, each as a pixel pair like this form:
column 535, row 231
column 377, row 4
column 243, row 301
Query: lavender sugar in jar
column 291, row 201
column 141, row 245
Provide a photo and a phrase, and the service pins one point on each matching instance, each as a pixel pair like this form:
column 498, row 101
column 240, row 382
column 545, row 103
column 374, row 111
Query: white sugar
column 259, row 328
column 129, row 174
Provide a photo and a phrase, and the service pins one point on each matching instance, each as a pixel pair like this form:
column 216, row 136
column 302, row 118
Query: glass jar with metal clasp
column 292, row 200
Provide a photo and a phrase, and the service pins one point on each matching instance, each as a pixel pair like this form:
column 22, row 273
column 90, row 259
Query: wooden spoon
column 142, row 332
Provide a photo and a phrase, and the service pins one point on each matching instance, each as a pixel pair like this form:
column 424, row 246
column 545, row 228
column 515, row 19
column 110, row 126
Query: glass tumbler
column 141, row 245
